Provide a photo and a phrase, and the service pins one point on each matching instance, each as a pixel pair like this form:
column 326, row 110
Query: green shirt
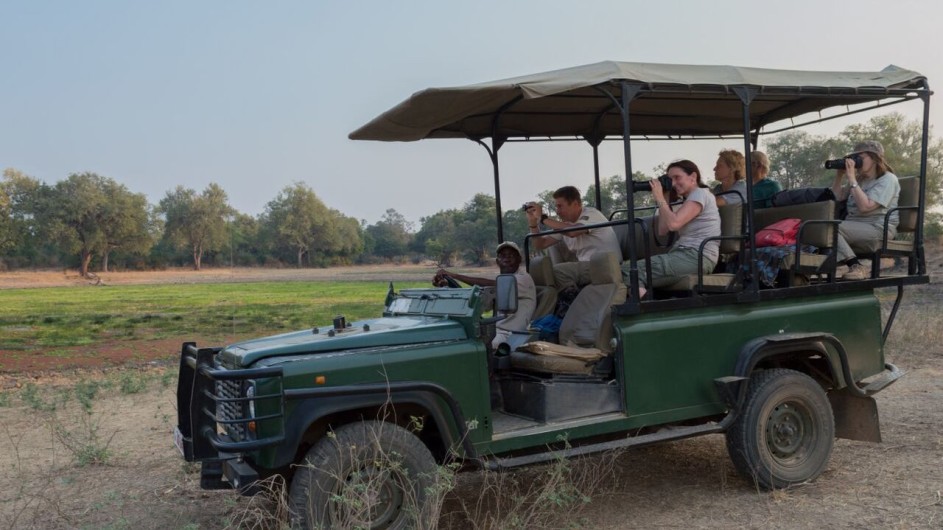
column 763, row 192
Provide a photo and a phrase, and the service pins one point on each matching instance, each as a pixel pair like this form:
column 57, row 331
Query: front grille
column 231, row 411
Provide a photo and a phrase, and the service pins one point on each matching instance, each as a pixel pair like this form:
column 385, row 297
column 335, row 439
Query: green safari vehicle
column 380, row 403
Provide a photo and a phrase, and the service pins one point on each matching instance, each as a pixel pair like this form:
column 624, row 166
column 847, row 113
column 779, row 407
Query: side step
column 891, row 374
column 663, row 435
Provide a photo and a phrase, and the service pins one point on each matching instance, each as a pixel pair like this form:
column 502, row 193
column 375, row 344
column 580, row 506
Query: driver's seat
column 586, row 331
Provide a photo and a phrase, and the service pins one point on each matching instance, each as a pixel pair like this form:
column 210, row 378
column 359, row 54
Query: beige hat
column 871, row 146
column 509, row 244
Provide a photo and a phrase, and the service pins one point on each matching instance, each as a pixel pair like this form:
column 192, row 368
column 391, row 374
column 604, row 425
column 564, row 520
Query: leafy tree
column 470, row 231
column 515, row 226
column 477, row 228
column 197, row 222
column 299, row 220
column 796, row 159
column 437, row 238
column 22, row 223
column 6, row 220
column 348, row 240
column 94, row 215
column 127, row 222
column 245, row 245
column 391, row 235
column 80, row 215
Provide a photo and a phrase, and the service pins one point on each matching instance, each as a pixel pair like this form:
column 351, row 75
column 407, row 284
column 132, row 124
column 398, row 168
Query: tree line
column 93, row 223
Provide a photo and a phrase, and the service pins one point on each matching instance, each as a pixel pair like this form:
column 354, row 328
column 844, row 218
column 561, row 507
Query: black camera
column 839, row 163
column 646, row 185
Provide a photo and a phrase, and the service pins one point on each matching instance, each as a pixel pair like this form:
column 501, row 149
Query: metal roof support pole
column 595, row 143
column 922, row 195
column 746, row 95
column 594, row 139
column 497, row 140
column 493, row 155
column 629, row 92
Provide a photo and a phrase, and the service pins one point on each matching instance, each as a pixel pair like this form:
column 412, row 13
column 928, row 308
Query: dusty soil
column 70, row 278
column 691, row 484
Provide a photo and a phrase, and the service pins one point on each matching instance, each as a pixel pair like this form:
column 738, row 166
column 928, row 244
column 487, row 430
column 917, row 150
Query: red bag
column 780, row 233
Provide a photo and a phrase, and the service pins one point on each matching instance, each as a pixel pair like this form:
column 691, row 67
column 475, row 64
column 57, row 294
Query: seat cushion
column 541, row 356
column 897, row 245
column 807, row 262
column 541, row 270
column 549, row 364
column 588, row 320
column 689, row 282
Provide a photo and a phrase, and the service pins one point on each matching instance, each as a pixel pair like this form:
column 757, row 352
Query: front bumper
column 213, row 420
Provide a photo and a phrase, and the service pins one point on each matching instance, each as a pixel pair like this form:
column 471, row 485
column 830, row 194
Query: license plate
column 178, row 441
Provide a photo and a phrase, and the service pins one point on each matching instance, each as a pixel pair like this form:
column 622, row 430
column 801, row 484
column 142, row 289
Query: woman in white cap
column 508, row 256
column 871, row 190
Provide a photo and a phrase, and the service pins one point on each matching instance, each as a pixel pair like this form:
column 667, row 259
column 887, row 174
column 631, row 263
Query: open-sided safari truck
column 377, row 404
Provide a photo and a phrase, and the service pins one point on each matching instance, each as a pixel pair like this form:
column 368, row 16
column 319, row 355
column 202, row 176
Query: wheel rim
column 789, row 432
column 371, row 495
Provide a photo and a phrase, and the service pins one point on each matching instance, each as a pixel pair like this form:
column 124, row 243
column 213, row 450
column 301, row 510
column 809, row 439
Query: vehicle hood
column 379, row 332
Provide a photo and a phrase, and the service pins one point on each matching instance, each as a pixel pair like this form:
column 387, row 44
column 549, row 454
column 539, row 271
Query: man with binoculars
column 583, row 243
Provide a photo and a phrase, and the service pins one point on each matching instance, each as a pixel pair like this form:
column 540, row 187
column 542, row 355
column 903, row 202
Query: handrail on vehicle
column 621, row 222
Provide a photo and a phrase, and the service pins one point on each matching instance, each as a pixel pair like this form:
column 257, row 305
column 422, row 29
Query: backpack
column 802, row 196
column 782, row 232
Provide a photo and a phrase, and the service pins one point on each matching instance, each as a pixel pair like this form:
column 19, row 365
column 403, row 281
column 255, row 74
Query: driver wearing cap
column 509, row 259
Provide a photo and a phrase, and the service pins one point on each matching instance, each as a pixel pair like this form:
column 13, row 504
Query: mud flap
column 856, row 418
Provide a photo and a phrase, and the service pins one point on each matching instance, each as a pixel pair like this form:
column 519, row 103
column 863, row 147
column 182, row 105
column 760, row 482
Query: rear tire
column 785, row 432
column 371, row 474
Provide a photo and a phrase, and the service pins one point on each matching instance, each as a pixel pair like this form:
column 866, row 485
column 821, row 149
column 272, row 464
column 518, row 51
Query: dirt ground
column 70, row 278
column 691, row 484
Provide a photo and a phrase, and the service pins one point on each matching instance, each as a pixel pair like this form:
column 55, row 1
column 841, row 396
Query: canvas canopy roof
column 672, row 100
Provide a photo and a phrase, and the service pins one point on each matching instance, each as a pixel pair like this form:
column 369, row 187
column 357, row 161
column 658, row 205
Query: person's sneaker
column 857, row 272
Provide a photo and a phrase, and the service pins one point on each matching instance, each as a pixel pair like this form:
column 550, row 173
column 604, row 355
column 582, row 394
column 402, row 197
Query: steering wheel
column 452, row 282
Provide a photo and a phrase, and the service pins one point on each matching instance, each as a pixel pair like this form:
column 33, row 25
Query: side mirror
column 505, row 292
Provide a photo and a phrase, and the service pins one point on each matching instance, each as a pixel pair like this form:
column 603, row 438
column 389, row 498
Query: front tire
column 785, row 432
column 371, row 474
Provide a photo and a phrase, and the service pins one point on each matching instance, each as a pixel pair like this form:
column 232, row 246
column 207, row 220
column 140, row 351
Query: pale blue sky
column 257, row 95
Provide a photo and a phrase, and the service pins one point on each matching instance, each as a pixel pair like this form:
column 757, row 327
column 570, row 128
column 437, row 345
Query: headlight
column 251, row 425
column 250, row 393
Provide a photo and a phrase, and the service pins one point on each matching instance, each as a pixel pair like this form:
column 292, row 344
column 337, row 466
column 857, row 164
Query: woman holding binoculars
column 871, row 189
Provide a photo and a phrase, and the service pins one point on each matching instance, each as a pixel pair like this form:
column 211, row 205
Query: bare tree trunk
column 301, row 253
column 105, row 260
column 86, row 259
column 197, row 257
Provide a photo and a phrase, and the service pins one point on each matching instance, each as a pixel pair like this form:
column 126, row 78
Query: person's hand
column 849, row 169
column 439, row 280
column 657, row 193
column 534, row 213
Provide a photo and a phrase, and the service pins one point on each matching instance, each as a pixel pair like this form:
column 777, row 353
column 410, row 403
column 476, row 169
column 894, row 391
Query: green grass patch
column 61, row 317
